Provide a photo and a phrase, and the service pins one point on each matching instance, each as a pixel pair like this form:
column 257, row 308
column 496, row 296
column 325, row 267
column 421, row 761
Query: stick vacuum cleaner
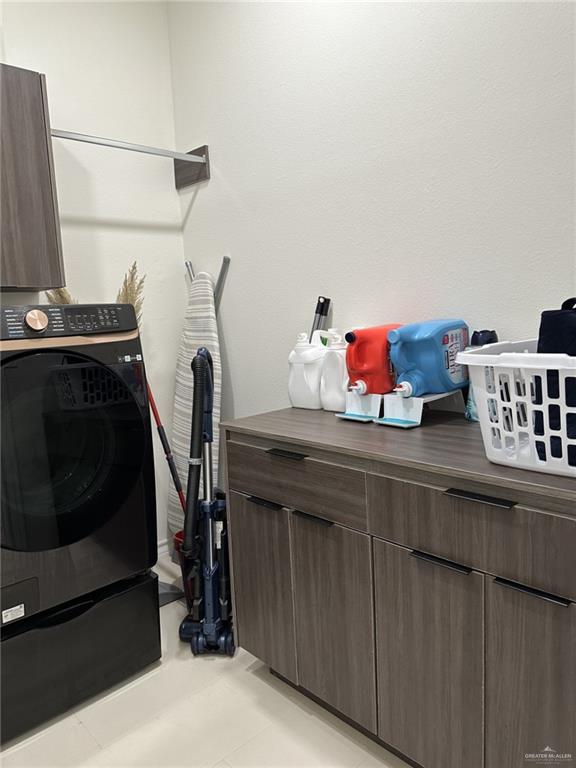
column 203, row 544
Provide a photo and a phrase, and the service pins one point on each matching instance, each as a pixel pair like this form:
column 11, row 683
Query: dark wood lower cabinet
column 430, row 658
column 431, row 607
column 262, row 582
column 530, row 678
column 332, row 574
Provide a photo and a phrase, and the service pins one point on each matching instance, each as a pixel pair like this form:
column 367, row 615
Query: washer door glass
column 73, row 441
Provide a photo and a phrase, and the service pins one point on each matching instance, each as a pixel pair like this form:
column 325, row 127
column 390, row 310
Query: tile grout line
column 248, row 741
column 143, row 723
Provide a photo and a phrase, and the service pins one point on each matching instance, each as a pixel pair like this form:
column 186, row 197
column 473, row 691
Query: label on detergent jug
column 453, row 342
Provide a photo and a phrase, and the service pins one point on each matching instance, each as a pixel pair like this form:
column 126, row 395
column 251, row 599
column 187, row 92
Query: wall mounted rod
column 218, row 290
column 130, row 147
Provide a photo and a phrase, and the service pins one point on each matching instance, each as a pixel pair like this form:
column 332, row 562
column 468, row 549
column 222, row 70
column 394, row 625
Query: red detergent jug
column 368, row 360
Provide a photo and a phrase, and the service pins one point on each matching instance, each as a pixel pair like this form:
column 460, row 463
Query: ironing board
column 200, row 329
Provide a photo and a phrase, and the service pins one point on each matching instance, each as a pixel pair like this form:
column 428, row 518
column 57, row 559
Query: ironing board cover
column 200, row 329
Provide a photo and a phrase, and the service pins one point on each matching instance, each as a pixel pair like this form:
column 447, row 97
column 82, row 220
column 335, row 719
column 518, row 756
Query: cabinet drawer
column 492, row 535
column 56, row 660
column 295, row 480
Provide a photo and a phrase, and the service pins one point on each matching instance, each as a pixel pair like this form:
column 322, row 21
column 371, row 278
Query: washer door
column 73, row 442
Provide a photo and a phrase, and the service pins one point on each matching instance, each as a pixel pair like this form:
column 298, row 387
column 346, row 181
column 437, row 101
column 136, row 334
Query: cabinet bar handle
column 442, row 562
column 492, row 501
column 281, row 454
column 264, row 503
column 313, row 518
column 548, row 596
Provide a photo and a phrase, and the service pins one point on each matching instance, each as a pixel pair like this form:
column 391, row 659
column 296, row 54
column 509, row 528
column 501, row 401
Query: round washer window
column 72, row 448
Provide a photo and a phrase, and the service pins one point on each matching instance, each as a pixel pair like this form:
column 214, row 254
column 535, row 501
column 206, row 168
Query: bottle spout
column 404, row 389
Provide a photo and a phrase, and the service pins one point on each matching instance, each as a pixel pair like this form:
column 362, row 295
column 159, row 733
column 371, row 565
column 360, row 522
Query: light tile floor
column 205, row 712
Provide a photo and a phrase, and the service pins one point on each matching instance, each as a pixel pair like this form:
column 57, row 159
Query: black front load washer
column 77, row 499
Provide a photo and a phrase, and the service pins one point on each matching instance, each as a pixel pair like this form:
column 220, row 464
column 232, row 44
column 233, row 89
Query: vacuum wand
column 201, row 436
column 321, row 315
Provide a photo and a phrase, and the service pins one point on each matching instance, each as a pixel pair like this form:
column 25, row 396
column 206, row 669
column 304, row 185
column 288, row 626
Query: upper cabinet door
column 30, row 228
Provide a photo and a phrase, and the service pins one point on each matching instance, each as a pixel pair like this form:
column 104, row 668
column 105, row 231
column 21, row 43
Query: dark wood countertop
column 446, row 444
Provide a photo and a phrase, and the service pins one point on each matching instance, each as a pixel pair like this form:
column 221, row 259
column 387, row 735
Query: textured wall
column 410, row 160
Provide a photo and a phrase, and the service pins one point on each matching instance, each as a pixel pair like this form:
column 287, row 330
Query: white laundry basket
column 526, row 405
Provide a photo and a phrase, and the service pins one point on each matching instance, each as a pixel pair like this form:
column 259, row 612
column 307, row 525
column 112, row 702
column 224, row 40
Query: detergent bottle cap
column 480, row 338
column 335, row 339
column 360, row 387
column 319, row 338
column 404, row 389
column 302, row 340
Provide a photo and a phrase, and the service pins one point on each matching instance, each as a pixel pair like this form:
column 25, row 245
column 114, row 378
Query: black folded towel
column 558, row 335
column 558, row 329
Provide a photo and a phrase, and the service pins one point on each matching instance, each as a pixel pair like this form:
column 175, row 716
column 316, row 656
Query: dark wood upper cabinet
column 430, row 657
column 262, row 581
column 530, row 677
column 30, row 245
column 332, row 574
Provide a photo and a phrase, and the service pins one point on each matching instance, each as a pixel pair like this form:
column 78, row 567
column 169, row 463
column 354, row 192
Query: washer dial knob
column 36, row 320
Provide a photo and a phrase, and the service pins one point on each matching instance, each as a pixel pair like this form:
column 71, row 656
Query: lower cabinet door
column 260, row 544
column 430, row 657
column 530, row 678
column 332, row 574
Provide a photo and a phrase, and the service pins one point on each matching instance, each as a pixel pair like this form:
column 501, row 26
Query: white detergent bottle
column 334, row 381
column 305, row 369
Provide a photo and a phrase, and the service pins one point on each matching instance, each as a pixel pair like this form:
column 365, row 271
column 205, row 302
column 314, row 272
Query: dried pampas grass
column 60, row 296
column 132, row 290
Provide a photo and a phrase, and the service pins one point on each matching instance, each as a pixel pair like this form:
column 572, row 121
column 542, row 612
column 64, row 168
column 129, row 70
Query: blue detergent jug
column 424, row 356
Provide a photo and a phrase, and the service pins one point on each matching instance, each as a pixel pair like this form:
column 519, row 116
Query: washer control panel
column 66, row 320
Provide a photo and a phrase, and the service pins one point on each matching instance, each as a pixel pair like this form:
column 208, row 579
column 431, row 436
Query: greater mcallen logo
column 548, row 756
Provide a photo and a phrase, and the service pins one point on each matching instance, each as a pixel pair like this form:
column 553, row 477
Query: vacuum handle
column 207, row 427
column 200, row 373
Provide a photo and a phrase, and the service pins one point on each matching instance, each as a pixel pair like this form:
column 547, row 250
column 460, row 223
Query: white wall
column 410, row 160
column 108, row 73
